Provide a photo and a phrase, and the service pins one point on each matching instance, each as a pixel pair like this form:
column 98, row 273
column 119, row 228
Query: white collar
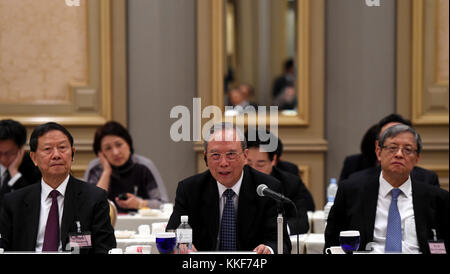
column 236, row 188
column 385, row 187
column 46, row 189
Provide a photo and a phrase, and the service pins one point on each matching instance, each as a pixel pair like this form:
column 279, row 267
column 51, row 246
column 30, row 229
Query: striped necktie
column 228, row 224
column 394, row 226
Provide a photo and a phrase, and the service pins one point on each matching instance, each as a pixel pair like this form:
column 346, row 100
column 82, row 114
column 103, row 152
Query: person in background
column 248, row 92
column 293, row 187
column 287, row 98
column 285, row 165
column 130, row 183
column 354, row 166
column 43, row 216
column 391, row 209
column 288, row 78
column 366, row 159
column 224, row 209
column 16, row 168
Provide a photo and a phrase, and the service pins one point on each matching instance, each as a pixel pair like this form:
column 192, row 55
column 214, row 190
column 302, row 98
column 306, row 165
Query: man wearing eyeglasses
column 16, row 168
column 394, row 212
column 224, row 210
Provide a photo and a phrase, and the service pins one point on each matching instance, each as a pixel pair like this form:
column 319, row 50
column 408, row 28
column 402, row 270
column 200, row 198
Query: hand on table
column 132, row 202
column 183, row 249
column 262, row 249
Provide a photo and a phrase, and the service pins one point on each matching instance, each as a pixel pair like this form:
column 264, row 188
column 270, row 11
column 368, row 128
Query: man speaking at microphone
column 225, row 212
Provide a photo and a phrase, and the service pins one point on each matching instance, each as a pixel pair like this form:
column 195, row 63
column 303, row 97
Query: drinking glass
column 166, row 242
column 349, row 240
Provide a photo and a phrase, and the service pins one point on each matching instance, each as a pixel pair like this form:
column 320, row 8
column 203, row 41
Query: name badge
column 437, row 247
column 80, row 240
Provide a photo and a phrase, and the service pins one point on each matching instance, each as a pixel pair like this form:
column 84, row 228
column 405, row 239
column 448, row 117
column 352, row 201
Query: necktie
column 51, row 237
column 5, row 179
column 228, row 224
column 394, row 226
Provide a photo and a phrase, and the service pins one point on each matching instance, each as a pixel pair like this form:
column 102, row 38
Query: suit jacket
column 198, row 197
column 19, row 219
column 358, row 163
column 294, row 189
column 355, row 208
column 30, row 175
column 354, row 163
column 288, row 167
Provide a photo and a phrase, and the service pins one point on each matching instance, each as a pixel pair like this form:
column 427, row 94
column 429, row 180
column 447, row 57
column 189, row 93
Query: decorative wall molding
column 71, row 106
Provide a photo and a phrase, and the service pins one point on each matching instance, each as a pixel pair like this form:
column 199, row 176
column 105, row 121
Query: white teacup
column 334, row 250
column 138, row 249
column 158, row 227
column 167, row 208
column 116, row 251
column 144, row 230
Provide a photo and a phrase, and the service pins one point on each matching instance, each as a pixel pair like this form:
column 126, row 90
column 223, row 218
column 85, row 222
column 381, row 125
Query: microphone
column 264, row 190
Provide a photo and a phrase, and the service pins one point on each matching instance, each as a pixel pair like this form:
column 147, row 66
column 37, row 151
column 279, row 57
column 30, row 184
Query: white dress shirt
column 410, row 243
column 46, row 203
column 11, row 181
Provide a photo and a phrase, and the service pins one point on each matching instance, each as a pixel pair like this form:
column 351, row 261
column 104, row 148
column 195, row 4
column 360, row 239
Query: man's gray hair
column 396, row 130
column 222, row 127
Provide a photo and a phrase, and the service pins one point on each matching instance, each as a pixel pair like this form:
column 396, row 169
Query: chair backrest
column 112, row 212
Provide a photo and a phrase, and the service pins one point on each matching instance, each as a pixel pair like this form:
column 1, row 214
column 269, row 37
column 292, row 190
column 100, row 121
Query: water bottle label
column 184, row 235
column 331, row 199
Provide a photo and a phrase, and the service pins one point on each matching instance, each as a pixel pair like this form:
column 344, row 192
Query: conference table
column 312, row 243
column 132, row 222
column 127, row 232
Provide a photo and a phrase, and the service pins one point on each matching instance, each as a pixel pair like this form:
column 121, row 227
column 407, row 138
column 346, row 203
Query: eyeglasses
column 392, row 149
column 230, row 156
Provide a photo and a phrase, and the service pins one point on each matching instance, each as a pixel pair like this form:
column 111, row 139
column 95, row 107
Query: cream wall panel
column 43, row 50
column 422, row 77
column 70, row 51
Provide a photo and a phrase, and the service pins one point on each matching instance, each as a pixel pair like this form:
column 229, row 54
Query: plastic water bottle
column 184, row 234
column 331, row 193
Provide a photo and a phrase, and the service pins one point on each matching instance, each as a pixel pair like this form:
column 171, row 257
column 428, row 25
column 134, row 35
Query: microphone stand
column 280, row 227
column 296, row 215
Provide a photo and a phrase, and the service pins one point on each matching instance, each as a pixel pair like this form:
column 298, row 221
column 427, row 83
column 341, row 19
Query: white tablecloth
column 123, row 243
column 312, row 243
column 132, row 222
column 309, row 243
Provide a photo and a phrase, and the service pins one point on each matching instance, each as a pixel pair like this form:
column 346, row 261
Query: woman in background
column 128, row 178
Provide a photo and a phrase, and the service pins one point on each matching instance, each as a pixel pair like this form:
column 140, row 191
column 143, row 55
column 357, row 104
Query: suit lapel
column 71, row 197
column 32, row 205
column 247, row 208
column 420, row 215
column 370, row 205
column 211, row 208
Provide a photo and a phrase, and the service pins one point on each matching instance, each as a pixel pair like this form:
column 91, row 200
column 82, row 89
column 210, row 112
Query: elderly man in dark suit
column 224, row 210
column 56, row 213
column 367, row 161
column 392, row 210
